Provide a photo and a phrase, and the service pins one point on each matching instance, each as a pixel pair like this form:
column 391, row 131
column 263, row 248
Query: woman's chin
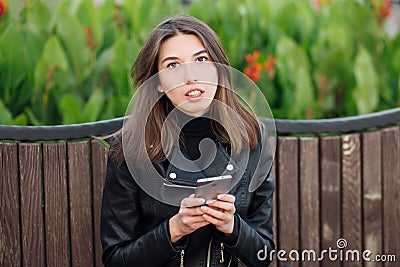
column 195, row 108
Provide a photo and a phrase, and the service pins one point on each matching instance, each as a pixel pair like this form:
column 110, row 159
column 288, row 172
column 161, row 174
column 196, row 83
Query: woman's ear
column 160, row 88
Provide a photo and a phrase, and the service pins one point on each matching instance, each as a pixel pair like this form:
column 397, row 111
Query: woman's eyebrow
column 169, row 58
column 200, row 52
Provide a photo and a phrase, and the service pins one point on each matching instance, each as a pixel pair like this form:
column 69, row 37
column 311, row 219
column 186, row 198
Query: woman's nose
column 190, row 73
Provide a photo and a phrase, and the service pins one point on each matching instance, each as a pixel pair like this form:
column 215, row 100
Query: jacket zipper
column 209, row 253
column 182, row 255
column 222, row 259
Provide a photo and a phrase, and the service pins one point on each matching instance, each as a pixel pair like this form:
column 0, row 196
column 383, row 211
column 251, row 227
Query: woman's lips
column 194, row 94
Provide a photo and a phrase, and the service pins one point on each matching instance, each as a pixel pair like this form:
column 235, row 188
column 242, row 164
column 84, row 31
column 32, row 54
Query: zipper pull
column 222, row 260
column 182, row 254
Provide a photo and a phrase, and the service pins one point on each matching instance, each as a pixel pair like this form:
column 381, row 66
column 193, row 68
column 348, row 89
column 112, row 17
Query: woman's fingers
column 190, row 215
column 212, row 220
column 192, row 202
column 189, row 220
column 218, row 214
column 194, row 214
column 224, row 206
column 226, row 197
column 225, row 202
column 191, row 211
column 223, row 221
column 221, row 212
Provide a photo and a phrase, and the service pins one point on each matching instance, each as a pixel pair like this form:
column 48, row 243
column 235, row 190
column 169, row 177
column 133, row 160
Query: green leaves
column 39, row 18
column 93, row 107
column 333, row 60
column 65, row 61
column 14, row 62
column 366, row 92
column 70, row 108
column 398, row 92
column 294, row 67
column 73, row 111
column 120, row 64
column 72, row 35
column 90, row 19
column 48, row 56
column 52, row 60
column 51, row 75
column 5, row 114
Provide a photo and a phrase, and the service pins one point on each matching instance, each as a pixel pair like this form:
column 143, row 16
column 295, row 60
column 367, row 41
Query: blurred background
column 68, row 61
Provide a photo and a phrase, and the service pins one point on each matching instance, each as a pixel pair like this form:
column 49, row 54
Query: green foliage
column 297, row 86
column 68, row 61
column 333, row 60
column 365, row 94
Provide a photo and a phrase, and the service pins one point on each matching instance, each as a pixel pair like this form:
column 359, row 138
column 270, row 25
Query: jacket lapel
column 222, row 164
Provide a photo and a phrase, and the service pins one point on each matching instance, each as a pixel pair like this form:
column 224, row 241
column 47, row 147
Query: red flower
column 253, row 68
column 89, row 38
column 269, row 65
column 316, row 4
column 384, row 10
column 309, row 113
column 319, row 3
column 322, row 87
column 251, row 59
column 253, row 72
column 3, row 8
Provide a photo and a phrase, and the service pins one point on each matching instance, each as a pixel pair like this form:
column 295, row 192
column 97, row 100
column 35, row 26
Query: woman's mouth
column 194, row 94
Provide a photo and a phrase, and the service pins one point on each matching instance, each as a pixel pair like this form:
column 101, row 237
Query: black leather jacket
column 134, row 225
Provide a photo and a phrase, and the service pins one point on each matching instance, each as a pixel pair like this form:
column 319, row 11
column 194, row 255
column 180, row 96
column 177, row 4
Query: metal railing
column 323, row 126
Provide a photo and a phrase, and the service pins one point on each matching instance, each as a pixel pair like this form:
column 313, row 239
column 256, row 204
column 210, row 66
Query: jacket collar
column 221, row 164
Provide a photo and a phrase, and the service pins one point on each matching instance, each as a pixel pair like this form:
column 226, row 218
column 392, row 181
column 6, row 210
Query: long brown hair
column 149, row 111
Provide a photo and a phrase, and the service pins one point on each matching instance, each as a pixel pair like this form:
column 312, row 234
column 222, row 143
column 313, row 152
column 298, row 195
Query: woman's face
column 186, row 75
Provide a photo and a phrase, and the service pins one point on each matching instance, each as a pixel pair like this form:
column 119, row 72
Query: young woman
column 138, row 226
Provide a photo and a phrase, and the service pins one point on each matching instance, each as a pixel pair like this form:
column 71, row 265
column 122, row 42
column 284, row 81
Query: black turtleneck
column 195, row 130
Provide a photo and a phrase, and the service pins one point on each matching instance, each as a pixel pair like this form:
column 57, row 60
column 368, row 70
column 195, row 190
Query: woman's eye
column 202, row 59
column 172, row 65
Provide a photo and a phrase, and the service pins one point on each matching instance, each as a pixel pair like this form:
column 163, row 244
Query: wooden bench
column 328, row 187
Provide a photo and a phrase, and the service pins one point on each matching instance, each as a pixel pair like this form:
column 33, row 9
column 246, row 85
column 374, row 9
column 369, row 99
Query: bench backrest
column 330, row 188
column 345, row 186
column 50, row 198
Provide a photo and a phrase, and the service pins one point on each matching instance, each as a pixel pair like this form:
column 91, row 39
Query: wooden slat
column 10, row 246
column 31, row 204
column 274, row 213
column 288, row 196
column 99, row 169
column 56, row 204
column 80, row 204
column 330, row 194
column 351, row 193
column 372, row 194
column 391, row 189
column 272, row 142
column 309, row 198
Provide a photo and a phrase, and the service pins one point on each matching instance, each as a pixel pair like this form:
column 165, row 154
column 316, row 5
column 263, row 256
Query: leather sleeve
column 124, row 243
column 255, row 230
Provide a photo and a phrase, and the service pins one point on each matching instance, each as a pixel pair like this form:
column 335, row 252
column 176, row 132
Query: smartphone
column 211, row 187
column 174, row 193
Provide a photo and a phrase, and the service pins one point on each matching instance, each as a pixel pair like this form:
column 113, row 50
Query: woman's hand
column 188, row 219
column 220, row 213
